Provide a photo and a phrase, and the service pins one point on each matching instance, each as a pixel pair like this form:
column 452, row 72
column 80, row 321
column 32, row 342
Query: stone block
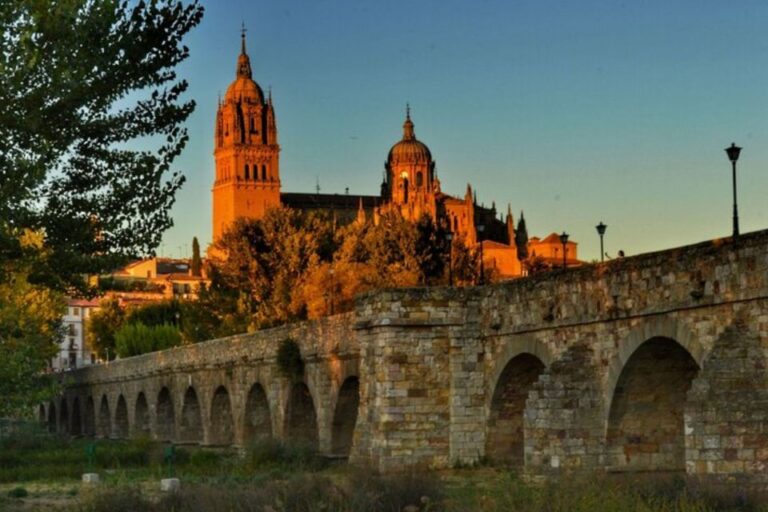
column 170, row 484
column 91, row 478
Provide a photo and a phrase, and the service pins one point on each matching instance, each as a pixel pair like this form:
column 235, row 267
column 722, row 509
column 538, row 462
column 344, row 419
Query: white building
column 73, row 352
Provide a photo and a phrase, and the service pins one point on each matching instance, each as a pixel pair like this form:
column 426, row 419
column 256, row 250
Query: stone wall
column 654, row 362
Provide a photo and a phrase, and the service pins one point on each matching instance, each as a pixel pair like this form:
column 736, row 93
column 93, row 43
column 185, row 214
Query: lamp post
column 564, row 241
column 449, row 239
column 480, row 229
column 733, row 156
column 601, row 231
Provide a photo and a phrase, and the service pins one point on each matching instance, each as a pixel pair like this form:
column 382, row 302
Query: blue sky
column 574, row 112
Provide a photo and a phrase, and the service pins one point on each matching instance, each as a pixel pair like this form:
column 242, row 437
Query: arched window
column 419, row 180
column 264, row 172
column 247, row 172
column 405, row 190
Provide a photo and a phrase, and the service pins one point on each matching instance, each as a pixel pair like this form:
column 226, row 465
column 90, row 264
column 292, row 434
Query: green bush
column 18, row 492
column 136, row 338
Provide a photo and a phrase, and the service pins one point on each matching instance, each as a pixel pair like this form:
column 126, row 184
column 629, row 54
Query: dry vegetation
column 40, row 472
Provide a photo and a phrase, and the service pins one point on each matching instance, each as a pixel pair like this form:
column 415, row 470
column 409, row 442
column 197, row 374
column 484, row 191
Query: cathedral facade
column 247, row 184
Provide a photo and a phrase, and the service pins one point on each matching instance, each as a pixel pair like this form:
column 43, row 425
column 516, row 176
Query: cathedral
column 247, row 184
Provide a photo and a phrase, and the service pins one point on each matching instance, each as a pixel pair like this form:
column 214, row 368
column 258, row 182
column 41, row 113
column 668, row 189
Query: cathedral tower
column 410, row 184
column 246, row 151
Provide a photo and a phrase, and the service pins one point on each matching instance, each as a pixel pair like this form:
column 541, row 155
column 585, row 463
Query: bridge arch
column 141, row 415
column 301, row 416
column 658, row 327
column 645, row 427
column 52, row 419
column 505, row 427
column 89, row 421
column 258, row 418
column 77, row 418
column 165, row 422
column 345, row 416
column 122, row 429
column 63, row 416
column 221, row 420
column 104, row 423
column 511, row 349
column 191, row 419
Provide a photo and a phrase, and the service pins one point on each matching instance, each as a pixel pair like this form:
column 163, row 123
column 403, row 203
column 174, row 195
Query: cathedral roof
column 409, row 149
column 244, row 87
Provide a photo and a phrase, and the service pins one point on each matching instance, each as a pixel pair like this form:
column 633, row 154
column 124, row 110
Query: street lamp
column 449, row 239
column 601, row 231
column 480, row 229
column 733, row 155
column 564, row 241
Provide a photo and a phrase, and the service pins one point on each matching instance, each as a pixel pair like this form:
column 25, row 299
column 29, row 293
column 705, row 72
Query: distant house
column 73, row 351
column 152, row 279
column 550, row 251
column 140, row 282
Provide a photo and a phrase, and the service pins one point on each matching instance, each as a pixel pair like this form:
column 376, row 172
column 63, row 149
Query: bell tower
column 246, row 151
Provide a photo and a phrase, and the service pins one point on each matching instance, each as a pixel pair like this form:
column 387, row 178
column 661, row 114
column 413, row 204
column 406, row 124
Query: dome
column 409, row 149
column 245, row 88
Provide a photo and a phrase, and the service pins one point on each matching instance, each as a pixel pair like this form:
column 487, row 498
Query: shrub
column 18, row 492
column 115, row 499
column 289, row 360
column 366, row 490
column 292, row 455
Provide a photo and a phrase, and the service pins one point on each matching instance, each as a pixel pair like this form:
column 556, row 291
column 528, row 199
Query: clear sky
column 573, row 111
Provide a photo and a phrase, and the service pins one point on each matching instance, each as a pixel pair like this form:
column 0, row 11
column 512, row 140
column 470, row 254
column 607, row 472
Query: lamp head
column 733, row 152
column 601, row 228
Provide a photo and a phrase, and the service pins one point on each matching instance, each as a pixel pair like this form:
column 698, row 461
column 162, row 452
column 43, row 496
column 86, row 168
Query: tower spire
column 243, row 30
column 408, row 125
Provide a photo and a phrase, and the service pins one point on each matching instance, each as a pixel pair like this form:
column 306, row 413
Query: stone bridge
column 650, row 363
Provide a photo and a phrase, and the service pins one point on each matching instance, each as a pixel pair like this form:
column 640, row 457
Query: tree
column 197, row 265
column 101, row 326
column 80, row 81
column 431, row 248
column 521, row 239
column 257, row 265
column 30, row 322
column 466, row 262
column 136, row 338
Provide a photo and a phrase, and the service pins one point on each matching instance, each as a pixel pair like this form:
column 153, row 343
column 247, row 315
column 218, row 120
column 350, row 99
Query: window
column 76, row 311
column 247, row 172
column 264, row 172
column 419, row 180
column 71, row 330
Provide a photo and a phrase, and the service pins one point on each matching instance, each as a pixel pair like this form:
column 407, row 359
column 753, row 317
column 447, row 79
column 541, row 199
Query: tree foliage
column 30, row 321
column 79, row 81
column 101, row 326
column 293, row 265
column 136, row 338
